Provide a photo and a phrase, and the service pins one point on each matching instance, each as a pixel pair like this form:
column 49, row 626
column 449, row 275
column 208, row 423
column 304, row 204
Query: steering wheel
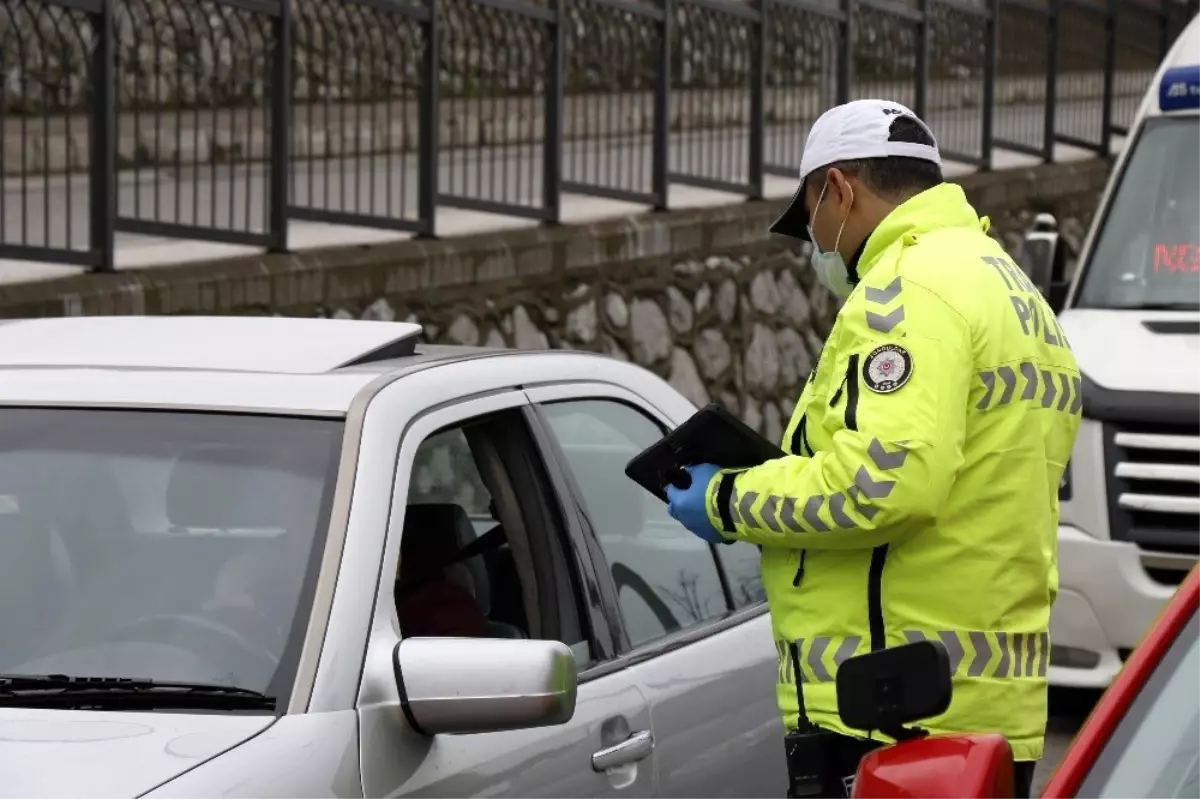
column 164, row 626
column 625, row 577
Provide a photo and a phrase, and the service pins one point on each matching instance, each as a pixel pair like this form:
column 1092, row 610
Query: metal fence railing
column 225, row 120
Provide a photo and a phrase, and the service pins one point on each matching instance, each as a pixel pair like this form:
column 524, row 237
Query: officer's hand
column 686, row 505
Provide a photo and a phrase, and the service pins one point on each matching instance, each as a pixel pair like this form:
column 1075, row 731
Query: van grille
column 1154, row 486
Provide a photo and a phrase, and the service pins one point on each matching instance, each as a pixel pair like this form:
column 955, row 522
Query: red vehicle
column 1142, row 738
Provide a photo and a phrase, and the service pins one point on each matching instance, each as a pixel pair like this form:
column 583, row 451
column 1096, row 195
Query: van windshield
column 174, row 547
column 1147, row 252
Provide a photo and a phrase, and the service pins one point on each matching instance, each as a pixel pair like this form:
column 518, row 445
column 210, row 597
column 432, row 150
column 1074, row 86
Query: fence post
column 428, row 112
column 921, row 67
column 281, row 130
column 991, row 47
column 553, row 136
column 1110, row 69
column 1048, row 131
column 660, row 157
column 1164, row 28
column 846, row 52
column 102, row 142
column 758, row 92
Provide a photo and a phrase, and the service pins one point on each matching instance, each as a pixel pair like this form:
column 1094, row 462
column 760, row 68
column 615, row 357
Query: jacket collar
column 942, row 206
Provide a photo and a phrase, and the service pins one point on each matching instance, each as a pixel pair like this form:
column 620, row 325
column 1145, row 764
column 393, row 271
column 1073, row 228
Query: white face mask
column 830, row 266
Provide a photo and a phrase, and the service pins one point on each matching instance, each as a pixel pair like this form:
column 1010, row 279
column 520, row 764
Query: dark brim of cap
column 793, row 222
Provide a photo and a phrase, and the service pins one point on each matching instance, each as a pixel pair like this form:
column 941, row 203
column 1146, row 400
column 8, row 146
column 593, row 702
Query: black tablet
column 711, row 435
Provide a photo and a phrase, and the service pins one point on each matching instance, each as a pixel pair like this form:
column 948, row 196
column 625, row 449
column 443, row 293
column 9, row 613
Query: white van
column 1129, row 528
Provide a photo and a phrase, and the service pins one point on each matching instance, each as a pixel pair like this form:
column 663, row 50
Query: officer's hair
column 897, row 178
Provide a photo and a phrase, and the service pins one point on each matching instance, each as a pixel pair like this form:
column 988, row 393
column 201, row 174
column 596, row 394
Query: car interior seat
column 275, row 505
column 433, row 535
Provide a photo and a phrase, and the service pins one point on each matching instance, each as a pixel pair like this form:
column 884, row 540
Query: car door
column 438, row 465
column 691, row 617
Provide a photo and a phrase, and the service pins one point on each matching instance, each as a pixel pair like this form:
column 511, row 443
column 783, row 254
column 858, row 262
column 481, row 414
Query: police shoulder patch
column 887, row 368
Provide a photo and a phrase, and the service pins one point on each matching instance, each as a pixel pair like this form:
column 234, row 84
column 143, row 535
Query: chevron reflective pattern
column 795, row 515
column 1028, row 382
column 1001, row 655
column 879, row 321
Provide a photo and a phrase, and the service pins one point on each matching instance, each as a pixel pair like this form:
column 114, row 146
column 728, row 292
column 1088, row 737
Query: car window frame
column 1131, row 723
column 627, row 654
column 290, row 680
column 376, row 678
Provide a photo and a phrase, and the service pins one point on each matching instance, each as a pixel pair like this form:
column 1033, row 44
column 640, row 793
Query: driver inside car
column 247, row 587
column 434, row 597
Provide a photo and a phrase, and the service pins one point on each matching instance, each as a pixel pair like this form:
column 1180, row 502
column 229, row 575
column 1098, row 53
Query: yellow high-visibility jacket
column 920, row 498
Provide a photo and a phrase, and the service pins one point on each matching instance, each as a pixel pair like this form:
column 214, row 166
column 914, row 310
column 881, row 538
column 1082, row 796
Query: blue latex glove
column 686, row 505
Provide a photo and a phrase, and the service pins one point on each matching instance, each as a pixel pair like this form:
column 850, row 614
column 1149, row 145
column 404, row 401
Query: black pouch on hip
column 808, row 761
column 808, row 748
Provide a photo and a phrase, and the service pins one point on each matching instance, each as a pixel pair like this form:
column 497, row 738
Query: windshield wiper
column 123, row 693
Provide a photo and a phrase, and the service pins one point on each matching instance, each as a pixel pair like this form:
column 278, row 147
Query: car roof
column 266, row 363
column 1176, row 87
column 1184, row 52
column 268, row 344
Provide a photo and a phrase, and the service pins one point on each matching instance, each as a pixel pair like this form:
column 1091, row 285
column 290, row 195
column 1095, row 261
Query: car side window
column 666, row 578
column 480, row 551
column 744, row 572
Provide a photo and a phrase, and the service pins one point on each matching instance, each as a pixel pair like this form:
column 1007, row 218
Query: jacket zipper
column 875, row 598
column 800, row 569
column 799, row 445
column 837, row 395
column 880, row 553
column 851, row 384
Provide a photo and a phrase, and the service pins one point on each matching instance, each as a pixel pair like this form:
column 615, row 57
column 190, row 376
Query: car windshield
column 1155, row 750
column 1147, row 251
column 161, row 546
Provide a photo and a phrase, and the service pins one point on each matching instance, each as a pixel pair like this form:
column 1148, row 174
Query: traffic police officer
column 920, row 498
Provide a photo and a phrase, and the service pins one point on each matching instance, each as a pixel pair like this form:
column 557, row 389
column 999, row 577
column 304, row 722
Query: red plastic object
column 950, row 766
column 1107, row 714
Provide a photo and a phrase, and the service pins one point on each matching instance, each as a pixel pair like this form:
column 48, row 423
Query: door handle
column 632, row 749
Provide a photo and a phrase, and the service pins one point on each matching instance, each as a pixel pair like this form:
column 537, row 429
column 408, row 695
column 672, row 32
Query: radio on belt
column 1179, row 89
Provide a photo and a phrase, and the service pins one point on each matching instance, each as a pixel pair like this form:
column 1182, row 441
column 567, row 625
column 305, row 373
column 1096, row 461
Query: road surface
column 1068, row 711
column 37, row 213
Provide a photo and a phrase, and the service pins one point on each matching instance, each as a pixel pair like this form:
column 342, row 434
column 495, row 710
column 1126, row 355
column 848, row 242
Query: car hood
column 47, row 753
column 1123, row 350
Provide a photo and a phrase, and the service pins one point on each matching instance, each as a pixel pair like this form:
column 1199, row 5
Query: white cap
column 851, row 132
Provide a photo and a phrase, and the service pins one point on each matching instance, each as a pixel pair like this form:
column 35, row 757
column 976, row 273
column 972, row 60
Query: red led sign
column 1176, row 258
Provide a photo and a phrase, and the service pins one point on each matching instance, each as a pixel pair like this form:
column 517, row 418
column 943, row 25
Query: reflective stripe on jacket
column 921, row 496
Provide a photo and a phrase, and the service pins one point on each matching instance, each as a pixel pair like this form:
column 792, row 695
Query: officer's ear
column 840, row 190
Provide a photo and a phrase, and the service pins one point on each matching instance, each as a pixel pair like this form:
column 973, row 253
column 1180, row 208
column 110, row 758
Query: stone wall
column 703, row 297
column 741, row 329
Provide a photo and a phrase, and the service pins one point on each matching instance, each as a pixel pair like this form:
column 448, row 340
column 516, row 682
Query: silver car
column 309, row 557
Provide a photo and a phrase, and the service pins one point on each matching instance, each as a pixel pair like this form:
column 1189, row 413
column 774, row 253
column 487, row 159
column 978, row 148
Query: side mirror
column 938, row 767
column 467, row 685
column 888, row 689
column 1038, row 251
column 1043, row 257
column 891, row 688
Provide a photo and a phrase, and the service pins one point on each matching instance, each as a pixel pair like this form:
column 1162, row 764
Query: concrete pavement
column 233, row 195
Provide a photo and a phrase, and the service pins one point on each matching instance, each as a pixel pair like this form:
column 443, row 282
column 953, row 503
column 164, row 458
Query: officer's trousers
column 844, row 752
